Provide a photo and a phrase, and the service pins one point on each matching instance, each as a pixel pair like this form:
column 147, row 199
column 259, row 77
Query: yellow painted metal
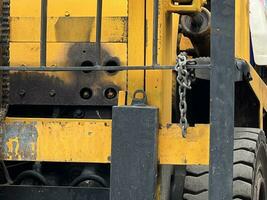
column 59, row 54
column 68, row 140
column 62, row 55
column 136, row 46
column 133, row 49
column 122, row 98
column 242, row 33
column 68, row 29
column 159, row 83
column 71, row 27
column 73, row 8
column 62, row 140
column 174, row 149
column 243, row 51
column 195, row 6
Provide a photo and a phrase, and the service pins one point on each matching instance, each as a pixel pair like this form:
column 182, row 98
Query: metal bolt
column 86, row 93
column 78, row 113
column 22, row 93
column 52, row 93
column 110, row 93
column 67, row 14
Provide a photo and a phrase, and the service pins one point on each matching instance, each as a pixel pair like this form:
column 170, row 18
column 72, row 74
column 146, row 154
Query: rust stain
column 20, row 141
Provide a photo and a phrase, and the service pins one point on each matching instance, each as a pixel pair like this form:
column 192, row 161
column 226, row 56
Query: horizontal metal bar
column 97, row 68
column 52, row 193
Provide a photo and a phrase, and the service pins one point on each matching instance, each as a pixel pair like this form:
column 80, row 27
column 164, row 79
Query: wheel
column 250, row 169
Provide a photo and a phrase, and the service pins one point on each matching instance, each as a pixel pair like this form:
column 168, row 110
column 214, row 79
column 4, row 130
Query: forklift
column 133, row 100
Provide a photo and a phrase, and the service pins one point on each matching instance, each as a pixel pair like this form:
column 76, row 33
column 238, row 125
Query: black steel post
column 222, row 99
column 98, row 31
column 155, row 32
column 134, row 153
column 43, row 39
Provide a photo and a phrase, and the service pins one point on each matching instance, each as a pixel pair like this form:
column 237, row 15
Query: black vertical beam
column 155, row 32
column 98, row 31
column 222, row 99
column 134, row 153
column 43, row 39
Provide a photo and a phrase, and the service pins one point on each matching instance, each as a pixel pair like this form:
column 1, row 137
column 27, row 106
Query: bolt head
column 22, row 93
column 52, row 93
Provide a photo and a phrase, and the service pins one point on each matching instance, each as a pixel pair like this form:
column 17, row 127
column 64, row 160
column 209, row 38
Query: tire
column 250, row 169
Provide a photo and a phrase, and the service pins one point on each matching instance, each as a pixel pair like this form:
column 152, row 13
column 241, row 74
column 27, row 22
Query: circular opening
column 87, row 63
column 112, row 63
column 110, row 93
column 86, row 93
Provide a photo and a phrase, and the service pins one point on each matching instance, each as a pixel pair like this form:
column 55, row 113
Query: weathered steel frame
column 43, row 44
column 221, row 136
column 222, row 99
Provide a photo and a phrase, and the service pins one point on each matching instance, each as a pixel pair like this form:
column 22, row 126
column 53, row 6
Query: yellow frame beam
column 68, row 140
column 194, row 7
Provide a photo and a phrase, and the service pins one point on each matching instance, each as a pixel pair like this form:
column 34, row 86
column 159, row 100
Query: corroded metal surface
column 20, row 141
column 66, row 140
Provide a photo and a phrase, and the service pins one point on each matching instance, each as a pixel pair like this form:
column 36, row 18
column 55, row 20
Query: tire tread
column 246, row 142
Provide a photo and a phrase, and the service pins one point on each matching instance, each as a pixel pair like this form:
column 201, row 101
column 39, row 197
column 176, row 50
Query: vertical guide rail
column 155, row 32
column 98, row 32
column 222, row 99
column 43, row 39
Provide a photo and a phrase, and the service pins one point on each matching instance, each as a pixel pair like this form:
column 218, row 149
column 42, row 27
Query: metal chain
column 184, row 80
column 4, row 48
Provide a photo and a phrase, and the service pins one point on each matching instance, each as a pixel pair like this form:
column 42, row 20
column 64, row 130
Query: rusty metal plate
column 72, row 88
column 33, row 88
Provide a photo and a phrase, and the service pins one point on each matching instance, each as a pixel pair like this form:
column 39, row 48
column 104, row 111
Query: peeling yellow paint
column 13, row 146
column 69, row 140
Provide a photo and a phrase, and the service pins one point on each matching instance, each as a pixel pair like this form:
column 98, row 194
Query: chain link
column 184, row 79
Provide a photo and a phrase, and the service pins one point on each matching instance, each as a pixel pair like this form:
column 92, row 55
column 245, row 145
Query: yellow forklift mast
column 130, row 99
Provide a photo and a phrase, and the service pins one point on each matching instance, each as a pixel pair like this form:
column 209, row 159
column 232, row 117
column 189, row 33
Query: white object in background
column 258, row 28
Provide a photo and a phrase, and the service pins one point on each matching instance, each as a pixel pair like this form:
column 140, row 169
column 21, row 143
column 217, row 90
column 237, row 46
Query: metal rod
column 98, row 68
column 222, row 99
column 6, row 172
column 155, row 32
column 43, row 39
column 98, row 32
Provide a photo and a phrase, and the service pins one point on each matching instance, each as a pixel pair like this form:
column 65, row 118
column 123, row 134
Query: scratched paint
column 89, row 141
column 19, row 141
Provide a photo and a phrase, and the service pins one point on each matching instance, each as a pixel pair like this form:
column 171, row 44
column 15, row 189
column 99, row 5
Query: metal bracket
column 139, row 101
column 134, row 152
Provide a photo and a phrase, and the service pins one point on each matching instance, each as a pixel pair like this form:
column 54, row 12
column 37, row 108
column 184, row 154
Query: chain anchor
column 184, row 79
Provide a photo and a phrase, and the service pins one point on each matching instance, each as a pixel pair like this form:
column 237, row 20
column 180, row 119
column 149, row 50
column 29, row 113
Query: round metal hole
column 110, row 93
column 87, row 63
column 112, row 63
column 86, row 93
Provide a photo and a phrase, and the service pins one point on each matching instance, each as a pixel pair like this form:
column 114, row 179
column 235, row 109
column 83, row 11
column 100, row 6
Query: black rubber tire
column 250, row 169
